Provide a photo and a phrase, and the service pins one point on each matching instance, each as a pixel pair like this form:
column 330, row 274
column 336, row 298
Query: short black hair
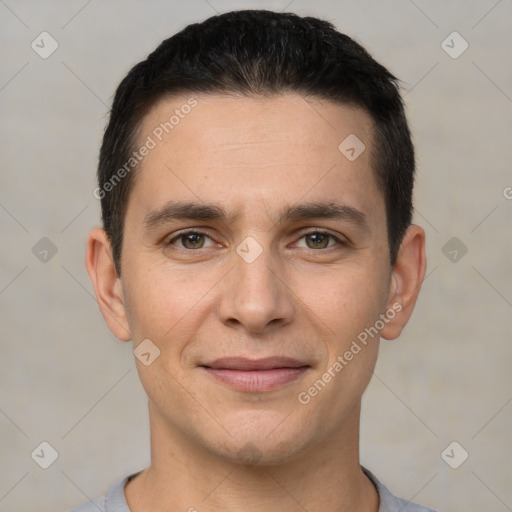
column 261, row 53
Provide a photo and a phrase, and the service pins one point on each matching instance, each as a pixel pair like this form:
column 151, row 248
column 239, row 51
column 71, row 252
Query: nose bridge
column 253, row 265
column 253, row 295
column 255, row 280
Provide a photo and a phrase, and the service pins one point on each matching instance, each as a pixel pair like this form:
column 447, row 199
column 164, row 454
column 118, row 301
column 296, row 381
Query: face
column 255, row 255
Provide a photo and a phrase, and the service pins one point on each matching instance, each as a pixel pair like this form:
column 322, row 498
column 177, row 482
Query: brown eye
column 190, row 240
column 318, row 240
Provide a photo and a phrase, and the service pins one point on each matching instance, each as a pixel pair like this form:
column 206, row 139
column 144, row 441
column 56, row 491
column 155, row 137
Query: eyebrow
column 190, row 210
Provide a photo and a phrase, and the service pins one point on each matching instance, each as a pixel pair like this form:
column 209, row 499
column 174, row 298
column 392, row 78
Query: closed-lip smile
column 255, row 375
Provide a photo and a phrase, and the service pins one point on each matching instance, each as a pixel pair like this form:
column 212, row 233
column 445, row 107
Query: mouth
column 256, row 375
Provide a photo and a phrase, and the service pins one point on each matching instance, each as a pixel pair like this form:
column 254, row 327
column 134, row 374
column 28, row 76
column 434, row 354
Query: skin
column 307, row 297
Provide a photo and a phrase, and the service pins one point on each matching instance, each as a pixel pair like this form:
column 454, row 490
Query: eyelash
column 196, row 232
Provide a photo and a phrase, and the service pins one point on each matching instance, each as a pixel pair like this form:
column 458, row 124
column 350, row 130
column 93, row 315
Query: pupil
column 318, row 238
column 193, row 238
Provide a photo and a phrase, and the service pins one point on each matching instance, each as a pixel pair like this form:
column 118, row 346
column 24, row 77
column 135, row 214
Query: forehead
column 242, row 149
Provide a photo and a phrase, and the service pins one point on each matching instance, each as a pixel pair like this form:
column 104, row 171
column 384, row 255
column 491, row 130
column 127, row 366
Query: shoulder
column 389, row 502
column 114, row 501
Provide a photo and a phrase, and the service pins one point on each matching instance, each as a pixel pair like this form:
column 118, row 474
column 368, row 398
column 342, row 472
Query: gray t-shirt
column 115, row 500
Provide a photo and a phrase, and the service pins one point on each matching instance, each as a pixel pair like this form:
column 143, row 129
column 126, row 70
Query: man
column 255, row 180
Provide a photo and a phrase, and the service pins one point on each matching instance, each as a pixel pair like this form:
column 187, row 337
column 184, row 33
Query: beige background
column 66, row 380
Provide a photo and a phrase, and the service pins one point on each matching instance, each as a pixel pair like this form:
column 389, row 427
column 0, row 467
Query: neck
column 184, row 475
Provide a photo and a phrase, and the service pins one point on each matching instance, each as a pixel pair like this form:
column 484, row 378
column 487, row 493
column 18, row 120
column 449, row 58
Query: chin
column 252, row 452
column 263, row 440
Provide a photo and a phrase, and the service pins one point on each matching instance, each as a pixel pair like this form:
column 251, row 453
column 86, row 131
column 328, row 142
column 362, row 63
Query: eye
column 190, row 240
column 194, row 240
column 320, row 240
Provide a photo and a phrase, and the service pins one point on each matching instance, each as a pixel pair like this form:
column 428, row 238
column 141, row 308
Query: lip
column 256, row 375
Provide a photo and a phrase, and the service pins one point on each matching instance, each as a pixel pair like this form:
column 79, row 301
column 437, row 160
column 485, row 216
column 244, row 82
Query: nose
column 257, row 293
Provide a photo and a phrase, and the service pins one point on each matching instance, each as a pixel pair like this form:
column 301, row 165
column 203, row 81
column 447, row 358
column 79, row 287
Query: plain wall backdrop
column 67, row 381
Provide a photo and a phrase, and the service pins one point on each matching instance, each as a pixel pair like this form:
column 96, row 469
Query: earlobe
column 406, row 280
column 107, row 285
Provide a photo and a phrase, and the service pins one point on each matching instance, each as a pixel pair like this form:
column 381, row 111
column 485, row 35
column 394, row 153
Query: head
column 261, row 131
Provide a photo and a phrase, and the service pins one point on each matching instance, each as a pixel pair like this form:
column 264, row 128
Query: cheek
column 344, row 305
column 349, row 307
column 345, row 301
column 164, row 304
column 165, row 307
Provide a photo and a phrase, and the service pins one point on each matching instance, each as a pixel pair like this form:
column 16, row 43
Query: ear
column 107, row 285
column 406, row 280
